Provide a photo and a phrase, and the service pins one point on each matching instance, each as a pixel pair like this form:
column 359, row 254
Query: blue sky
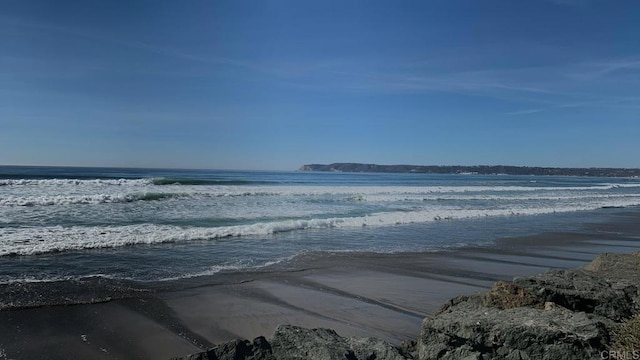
column 277, row 84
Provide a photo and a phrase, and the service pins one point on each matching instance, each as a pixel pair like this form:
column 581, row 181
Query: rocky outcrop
column 290, row 343
column 472, row 331
column 562, row 314
column 295, row 343
column 259, row 349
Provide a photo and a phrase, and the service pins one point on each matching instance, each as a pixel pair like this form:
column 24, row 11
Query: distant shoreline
column 473, row 170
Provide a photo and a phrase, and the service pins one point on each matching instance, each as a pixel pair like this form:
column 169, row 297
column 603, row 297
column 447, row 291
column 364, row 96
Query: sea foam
column 38, row 240
column 75, row 182
column 87, row 199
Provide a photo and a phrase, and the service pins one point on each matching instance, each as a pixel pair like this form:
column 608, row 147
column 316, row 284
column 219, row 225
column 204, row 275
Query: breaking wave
column 38, row 240
column 58, row 182
column 88, row 199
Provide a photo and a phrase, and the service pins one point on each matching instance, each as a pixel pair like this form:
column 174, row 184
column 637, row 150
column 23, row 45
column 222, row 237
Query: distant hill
column 476, row 169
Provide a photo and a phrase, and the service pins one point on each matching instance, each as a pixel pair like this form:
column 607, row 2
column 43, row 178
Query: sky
column 276, row 84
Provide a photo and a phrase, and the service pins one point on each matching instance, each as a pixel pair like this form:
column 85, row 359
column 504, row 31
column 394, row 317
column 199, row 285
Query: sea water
column 153, row 224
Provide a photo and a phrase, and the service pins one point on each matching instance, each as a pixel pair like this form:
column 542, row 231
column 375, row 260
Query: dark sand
column 382, row 295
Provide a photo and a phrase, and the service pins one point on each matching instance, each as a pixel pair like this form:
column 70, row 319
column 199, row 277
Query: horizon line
column 308, row 164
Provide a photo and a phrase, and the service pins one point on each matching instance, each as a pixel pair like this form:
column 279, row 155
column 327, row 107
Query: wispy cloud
column 596, row 70
column 132, row 44
column 621, row 102
column 511, row 85
column 327, row 74
column 527, row 111
column 535, row 88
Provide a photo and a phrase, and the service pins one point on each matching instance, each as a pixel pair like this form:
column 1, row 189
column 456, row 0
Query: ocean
column 149, row 225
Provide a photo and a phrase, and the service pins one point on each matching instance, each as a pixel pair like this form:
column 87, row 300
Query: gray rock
column 259, row 349
column 294, row 343
column 616, row 266
column 562, row 314
column 469, row 331
column 586, row 291
column 608, row 286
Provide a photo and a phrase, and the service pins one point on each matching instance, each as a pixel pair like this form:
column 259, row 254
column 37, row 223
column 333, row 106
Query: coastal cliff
column 561, row 314
column 475, row 170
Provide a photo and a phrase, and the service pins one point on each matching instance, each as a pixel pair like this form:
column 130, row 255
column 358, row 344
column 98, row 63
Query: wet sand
column 382, row 295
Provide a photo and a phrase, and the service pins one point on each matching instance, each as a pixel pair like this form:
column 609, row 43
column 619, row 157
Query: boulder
column 561, row 314
column 469, row 330
column 585, row 291
column 259, row 349
column 292, row 342
column 296, row 343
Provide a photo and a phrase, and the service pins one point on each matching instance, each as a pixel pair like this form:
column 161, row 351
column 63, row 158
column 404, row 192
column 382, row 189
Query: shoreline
column 630, row 173
column 365, row 294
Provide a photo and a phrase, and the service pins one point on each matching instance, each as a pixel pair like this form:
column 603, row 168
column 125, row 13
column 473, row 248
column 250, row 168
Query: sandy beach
column 381, row 295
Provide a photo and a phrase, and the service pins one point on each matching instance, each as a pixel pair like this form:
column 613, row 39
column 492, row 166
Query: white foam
column 610, row 185
column 352, row 195
column 359, row 192
column 75, row 182
column 33, row 279
column 241, row 264
column 49, row 192
column 508, row 197
column 236, row 190
column 238, row 265
column 38, row 240
column 85, row 199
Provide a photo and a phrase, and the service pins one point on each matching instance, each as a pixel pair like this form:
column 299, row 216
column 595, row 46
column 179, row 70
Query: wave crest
column 88, row 199
column 31, row 241
column 80, row 182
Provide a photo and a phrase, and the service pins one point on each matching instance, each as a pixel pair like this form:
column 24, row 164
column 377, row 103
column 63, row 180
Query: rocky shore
column 561, row 314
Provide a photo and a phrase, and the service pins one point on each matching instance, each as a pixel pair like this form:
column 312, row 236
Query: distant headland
column 473, row 170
